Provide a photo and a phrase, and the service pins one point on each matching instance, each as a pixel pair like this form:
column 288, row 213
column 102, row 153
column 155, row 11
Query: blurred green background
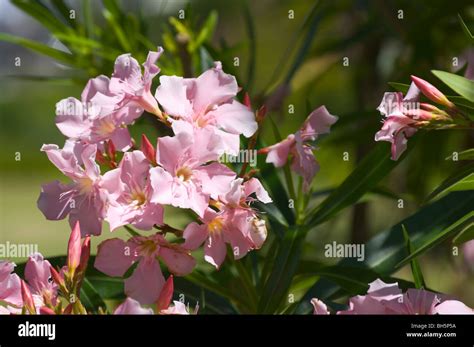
column 305, row 55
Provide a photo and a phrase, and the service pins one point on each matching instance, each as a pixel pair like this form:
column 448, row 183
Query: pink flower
column 84, row 199
column 10, row 284
column 208, row 102
column 115, row 257
column 235, row 223
column 297, row 145
column 131, row 306
column 399, row 124
column 108, row 105
column 38, row 276
column 383, row 298
column 183, row 178
column 320, row 307
column 130, row 192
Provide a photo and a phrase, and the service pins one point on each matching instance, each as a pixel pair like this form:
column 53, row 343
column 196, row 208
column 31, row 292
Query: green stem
column 131, row 231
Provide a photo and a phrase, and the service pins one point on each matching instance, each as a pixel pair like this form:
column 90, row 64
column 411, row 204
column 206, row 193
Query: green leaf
column 465, row 28
column 459, row 84
column 468, row 154
column 252, row 39
column 429, row 241
column 365, row 177
column 209, row 302
column 284, row 268
column 385, row 250
column 206, row 31
column 415, row 266
column 466, row 234
column 460, row 180
column 90, row 298
column 42, row 14
column 399, row 87
column 39, row 48
column 119, row 33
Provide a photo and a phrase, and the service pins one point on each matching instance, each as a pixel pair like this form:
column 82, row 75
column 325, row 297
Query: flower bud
column 74, row 249
column 431, row 92
column 166, row 295
column 28, row 301
column 258, row 232
column 46, row 310
column 148, row 149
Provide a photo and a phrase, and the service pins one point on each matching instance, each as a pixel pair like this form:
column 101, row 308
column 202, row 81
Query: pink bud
column 46, row 310
column 99, row 157
column 148, row 149
column 431, row 92
column 85, row 253
column 74, row 248
column 247, row 101
column 111, row 150
column 57, row 278
column 28, row 301
column 166, row 295
column 262, row 111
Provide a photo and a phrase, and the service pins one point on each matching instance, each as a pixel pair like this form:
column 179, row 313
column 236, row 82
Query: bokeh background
column 282, row 61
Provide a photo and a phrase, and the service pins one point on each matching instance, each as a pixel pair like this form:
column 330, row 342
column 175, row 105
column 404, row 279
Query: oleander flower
column 207, row 101
column 84, row 199
column 10, row 284
column 236, row 223
column 107, row 106
column 115, row 257
column 298, row 146
column 387, row 298
column 399, row 124
column 129, row 193
column 184, row 178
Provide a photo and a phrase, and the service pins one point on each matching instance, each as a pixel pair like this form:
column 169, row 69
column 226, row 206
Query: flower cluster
column 387, row 298
column 182, row 170
column 405, row 115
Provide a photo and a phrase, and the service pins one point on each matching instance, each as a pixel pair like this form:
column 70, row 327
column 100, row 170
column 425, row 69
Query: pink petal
column 320, row 307
column 55, row 200
column 114, row 257
column 172, row 96
column 131, row 306
column 179, row 262
column 278, row 153
column 318, row 122
column 121, row 139
column 71, row 118
column 215, row 178
column 253, row 185
column 235, row 118
column 146, row 282
column 453, row 307
column 38, row 273
column 215, row 250
column 213, row 87
column 195, row 234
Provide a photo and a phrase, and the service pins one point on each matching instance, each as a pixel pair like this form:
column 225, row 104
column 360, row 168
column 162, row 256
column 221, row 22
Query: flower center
column 138, row 198
column 148, row 247
column 216, row 225
column 85, row 185
column 105, row 127
column 184, row 173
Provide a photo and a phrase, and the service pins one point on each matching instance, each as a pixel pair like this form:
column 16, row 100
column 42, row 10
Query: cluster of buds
column 405, row 115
